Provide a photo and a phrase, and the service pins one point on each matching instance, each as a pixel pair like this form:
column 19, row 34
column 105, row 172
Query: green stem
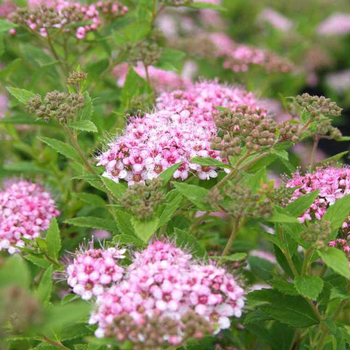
column 233, row 236
column 58, row 345
column 313, row 151
column 307, row 257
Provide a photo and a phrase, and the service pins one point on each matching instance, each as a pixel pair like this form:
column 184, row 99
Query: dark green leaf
column 283, row 286
column 261, row 267
column 93, row 222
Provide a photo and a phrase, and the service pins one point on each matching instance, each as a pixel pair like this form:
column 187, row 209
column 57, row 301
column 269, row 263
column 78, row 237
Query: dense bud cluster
column 288, row 131
column 141, row 199
column 317, row 233
column 19, row 310
column 94, row 270
column 26, row 210
column 68, row 15
column 164, row 286
column 75, row 78
column 318, row 106
column 343, row 245
column 241, row 202
column 181, row 128
column 56, row 105
column 333, row 183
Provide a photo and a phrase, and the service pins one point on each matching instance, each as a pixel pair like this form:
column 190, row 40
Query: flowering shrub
column 183, row 148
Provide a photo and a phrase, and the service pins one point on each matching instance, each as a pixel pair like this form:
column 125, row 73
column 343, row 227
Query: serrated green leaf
column 113, row 187
column 167, row 174
column 338, row 213
column 75, row 331
column 261, row 267
column 61, row 147
column 36, row 260
column 282, row 218
column 301, row 204
column 189, row 241
column 44, row 290
column 309, row 286
column 256, row 316
column 332, row 159
column 93, row 222
column 232, row 257
column 281, row 153
column 88, row 110
column 90, row 198
column 6, row 26
column 15, row 271
column 145, row 229
column 53, row 240
column 21, row 95
column 283, row 286
column 173, row 201
column 84, row 125
column 124, row 223
column 336, row 260
column 193, row 193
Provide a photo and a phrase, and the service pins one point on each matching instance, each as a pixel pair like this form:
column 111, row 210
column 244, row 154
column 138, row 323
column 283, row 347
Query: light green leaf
column 137, row 31
column 53, row 239
column 193, row 193
column 332, row 159
column 338, row 212
column 171, row 59
column 116, row 188
column 189, row 241
column 6, row 26
column 301, row 204
column 283, row 286
column 336, row 260
column 90, row 198
column 145, row 229
column 282, row 218
column 37, row 260
column 167, row 174
column 93, row 222
column 232, row 257
column 45, row 287
column 14, row 271
column 281, row 153
column 309, row 286
column 207, row 5
column 207, row 161
column 21, row 95
column 124, row 223
column 84, row 125
column 88, row 110
column 173, row 201
column 61, row 147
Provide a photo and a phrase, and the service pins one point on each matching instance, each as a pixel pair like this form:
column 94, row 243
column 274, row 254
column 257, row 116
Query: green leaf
column 90, row 198
column 75, row 331
column 338, row 212
column 283, row 286
column 37, row 56
column 256, row 316
column 171, row 59
column 167, row 174
column 61, row 147
column 116, row 188
column 145, row 229
column 282, row 218
column 193, row 193
column 6, row 26
column 207, row 5
column 332, row 159
column 254, row 181
column 336, row 260
column 21, row 95
column 301, row 204
column 207, row 161
column 281, row 153
column 309, row 286
column 93, row 222
column 53, row 240
column 124, row 223
column 292, row 310
column 189, row 241
column 88, row 110
column 37, row 260
column 173, row 201
column 14, row 271
column 137, row 31
column 45, row 287
column 232, row 257
column 84, row 125
column 261, row 267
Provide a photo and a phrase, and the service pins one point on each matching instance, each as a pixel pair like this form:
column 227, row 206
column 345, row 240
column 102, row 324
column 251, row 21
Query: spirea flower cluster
column 161, row 80
column 26, row 210
column 181, row 128
column 93, row 270
column 67, row 15
column 163, row 281
column 333, row 183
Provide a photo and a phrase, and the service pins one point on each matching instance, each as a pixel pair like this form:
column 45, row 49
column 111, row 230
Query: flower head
column 26, row 210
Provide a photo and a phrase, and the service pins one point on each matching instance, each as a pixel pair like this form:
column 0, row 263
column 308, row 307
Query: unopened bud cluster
column 318, row 105
column 317, row 233
column 75, row 78
column 141, row 199
column 288, row 131
column 324, row 128
column 56, row 105
column 240, row 201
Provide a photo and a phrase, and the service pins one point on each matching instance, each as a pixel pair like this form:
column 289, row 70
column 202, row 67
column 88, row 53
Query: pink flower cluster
column 337, row 24
column 161, row 80
column 333, row 183
column 164, row 281
column 181, row 128
column 343, row 245
column 71, row 13
column 94, row 270
column 26, row 210
column 239, row 57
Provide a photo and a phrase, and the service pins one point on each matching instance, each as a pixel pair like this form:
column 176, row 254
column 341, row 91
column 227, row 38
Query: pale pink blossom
column 275, row 19
column 337, row 24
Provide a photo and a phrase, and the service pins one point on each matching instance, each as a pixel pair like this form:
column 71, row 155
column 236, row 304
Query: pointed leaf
column 145, row 229
column 93, row 222
column 84, row 125
column 309, row 286
column 45, row 287
column 336, row 260
column 53, row 239
column 21, row 95
column 301, row 204
column 338, row 212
